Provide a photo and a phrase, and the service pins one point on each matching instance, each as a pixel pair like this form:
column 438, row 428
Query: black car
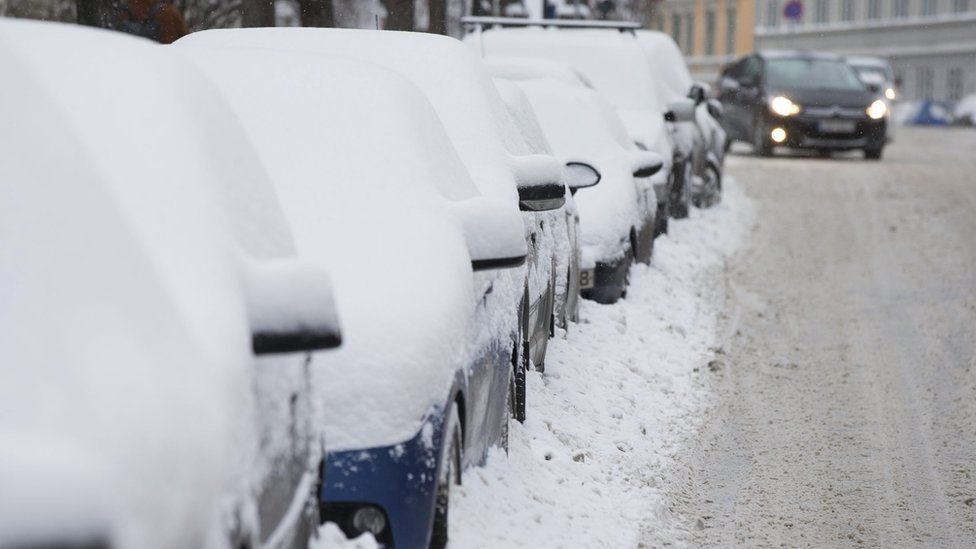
column 802, row 100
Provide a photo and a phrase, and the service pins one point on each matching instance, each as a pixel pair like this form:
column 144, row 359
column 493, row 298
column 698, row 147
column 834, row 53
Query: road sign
column 793, row 10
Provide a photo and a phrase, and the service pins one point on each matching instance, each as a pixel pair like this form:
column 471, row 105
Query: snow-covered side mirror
column 493, row 232
column 539, row 181
column 715, row 109
column 697, row 93
column 681, row 110
column 645, row 163
column 580, row 175
column 291, row 308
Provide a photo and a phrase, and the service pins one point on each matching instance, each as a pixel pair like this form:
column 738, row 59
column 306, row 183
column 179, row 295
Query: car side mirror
column 645, row 163
column 494, row 233
column 874, row 87
column 580, row 175
column 291, row 308
column 728, row 83
column 749, row 81
column 539, row 181
column 681, row 110
column 697, row 93
column 715, row 109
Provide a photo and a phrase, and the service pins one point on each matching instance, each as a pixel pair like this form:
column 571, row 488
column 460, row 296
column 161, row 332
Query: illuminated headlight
column 778, row 135
column 783, row 106
column 890, row 94
column 877, row 110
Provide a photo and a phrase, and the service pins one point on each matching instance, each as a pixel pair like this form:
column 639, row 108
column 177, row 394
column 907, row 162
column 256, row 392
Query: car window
column 813, row 74
column 751, row 69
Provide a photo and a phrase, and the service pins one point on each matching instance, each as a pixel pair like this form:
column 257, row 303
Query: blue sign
column 793, row 10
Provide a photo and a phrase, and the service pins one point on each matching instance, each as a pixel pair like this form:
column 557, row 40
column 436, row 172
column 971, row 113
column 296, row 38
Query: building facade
column 709, row 32
column 931, row 44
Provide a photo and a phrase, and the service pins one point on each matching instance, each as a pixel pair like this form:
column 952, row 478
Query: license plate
column 837, row 126
column 587, row 277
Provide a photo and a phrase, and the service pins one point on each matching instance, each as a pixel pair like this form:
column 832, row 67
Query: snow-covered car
column 487, row 142
column 578, row 174
column 616, row 216
column 145, row 263
column 877, row 72
column 616, row 66
column 674, row 84
column 373, row 187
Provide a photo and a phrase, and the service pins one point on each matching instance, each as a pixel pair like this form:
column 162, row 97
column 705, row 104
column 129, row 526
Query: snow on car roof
column 121, row 310
column 666, row 62
column 448, row 73
column 363, row 168
column 521, row 68
column 612, row 61
column 867, row 61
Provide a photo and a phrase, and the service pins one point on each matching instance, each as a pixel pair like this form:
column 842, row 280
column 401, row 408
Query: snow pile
column 591, row 465
column 965, row 111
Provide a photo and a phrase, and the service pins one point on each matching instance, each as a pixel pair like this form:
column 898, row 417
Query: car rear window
column 813, row 74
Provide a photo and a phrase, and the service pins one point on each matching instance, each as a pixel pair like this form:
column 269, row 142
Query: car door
column 750, row 97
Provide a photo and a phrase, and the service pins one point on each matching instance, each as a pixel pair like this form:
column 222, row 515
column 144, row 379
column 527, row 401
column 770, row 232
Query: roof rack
column 487, row 21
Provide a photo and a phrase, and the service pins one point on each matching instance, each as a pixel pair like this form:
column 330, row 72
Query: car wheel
column 873, row 154
column 448, row 477
column 712, row 190
column 520, row 364
column 760, row 143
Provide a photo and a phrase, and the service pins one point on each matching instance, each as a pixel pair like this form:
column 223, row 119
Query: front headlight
column 890, row 94
column 783, row 106
column 877, row 110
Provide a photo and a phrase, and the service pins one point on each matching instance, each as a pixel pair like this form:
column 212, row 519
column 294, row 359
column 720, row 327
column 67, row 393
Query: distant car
column 145, row 263
column 674, row 83
column 577, row 175
column 616, row 66
column 877, row 72
column 616, row 213
column 422, row 386
column 802, row 100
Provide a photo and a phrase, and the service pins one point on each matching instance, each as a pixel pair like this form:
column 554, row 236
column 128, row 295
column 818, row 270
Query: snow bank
column 591, row 466
column 965, row 111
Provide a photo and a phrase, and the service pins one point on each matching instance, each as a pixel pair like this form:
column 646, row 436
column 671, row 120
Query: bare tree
column 317, row 13
column 399, row 14
column 437, row 10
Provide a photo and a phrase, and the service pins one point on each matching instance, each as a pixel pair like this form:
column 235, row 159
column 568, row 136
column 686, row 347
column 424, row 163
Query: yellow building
column 709, row 32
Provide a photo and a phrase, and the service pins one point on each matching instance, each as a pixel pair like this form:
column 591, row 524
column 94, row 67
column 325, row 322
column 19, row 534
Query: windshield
column 812, row 74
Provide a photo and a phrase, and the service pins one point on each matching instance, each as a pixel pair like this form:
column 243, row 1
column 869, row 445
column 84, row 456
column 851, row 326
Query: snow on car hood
column 121, row 309
column 366, row 176
column 580, row 125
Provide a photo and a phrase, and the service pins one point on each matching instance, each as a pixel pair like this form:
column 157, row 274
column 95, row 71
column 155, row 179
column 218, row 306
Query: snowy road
column 845, row 412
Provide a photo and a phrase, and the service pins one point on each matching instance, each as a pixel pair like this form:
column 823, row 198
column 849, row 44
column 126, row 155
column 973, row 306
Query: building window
column 772, row 13
column 924, row 77
column 689, row 33
column 954, row 84
column 730, row 31
column 874, row 9
column 847, row 10
column 710, row 32
column 959, row 6
column 929, row 7
column 676, row 30
column 822, row 9
column 901, row 8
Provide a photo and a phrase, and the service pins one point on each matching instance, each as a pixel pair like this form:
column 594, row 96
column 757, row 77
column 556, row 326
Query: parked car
column 616, row 66
column 616, row 216
column 876, row 72
column 156, row 324
column 802, row 100
column 674, row 83
column 421, row 387
column 486, row 141
column 578, row 174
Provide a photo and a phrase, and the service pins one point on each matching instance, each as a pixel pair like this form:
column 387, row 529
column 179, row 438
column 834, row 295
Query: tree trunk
column 317, row 13
column 258, row 13
column 437, row 10
column 95, row 13
column 399, row 15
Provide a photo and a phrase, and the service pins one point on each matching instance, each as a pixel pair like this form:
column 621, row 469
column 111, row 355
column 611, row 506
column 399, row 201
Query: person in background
column 156, row 20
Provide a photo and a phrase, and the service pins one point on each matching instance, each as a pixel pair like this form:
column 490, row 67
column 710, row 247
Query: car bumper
column 609, row 281
column 805, row 132
column 399, row 479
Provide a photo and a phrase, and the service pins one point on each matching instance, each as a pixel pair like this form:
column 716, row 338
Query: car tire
column 760, row 144
column 448, row 476
column 520, row 364
column 681, row 196
column 873, row 154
